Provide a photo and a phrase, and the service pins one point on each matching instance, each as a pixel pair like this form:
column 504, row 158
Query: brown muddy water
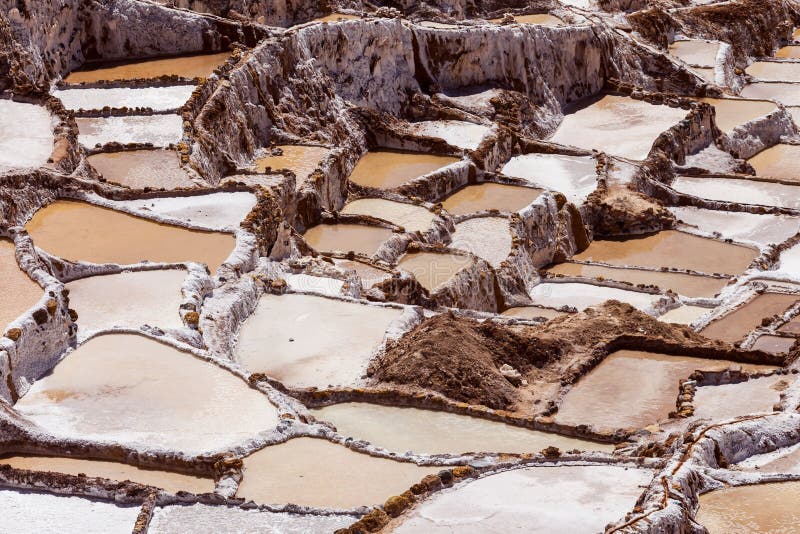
column 532, row 312
column 337, row 17
column 684, row 284
column 358, row 238
column 20, row 293
column 138, row 169
column 755, row 509
column 302, row 160
column 316, row 472
column 172, row 482
column 201, row 66
column 433, row 432
column 779, row 161
column 633, row 389
column 791, row 51
column 80, row 231
column 738, row 323
column 775, row 71
column 488, row 196
column 695, row 52
column 774, row 344
column 386, row 169
column 411, row 217
column 672, row 248
column 785, row 93
column 733, row 112
column 305, row 340
column 433, row 270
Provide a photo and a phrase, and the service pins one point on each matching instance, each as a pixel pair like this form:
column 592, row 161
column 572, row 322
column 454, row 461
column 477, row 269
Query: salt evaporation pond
column 738, row 323
column 25, row 511
column 755, row 509
column 169, row 481
column 581, row 296
column 684, row 314
column 385, row 169
column 785, row 93
column 534, row 499
column 369, row 275
column 461, row 134
column 433, row 270
column 540, row 19
column 302, row 160
column 213, row 211
column 434, row 432
column 316, row 472
column 775, row 71
column 671, row 248
column 411, row 217
column 132, row 390
column 696, row 52
column 774, row 344
column 633, row 389
column 757, row 395
column 532, row 312
column 574, row 176
column 490, row 196
column 128, row 300
column 26, row 135
column 337, row 17
column 197, row 66
column 779, row 161
column 138, row 169
column 486, row 237
column 786, row 460
column 344, row 237
column 156, row 98
column 758, row 228
column 20, row 293
column 220, row 519
column 741, row 191
column 159, row 130
column 305, row 340
column 733, row 112
column 618, row 125
column 81, row 231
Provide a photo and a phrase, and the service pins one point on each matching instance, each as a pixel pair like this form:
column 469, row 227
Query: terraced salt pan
column 304, row 340
column 129, row 389
column 489, row 196
column 128, row 300
column 20, row 293
column 696, row 52
column 574, row 176
column 790, row 260
column 684, row 314
column 774, row 344
column 733, row 112
column 432, row 432
column 433, row 270
column 218, row 211
column 542, row 19
column 461, row 134
column 671, row 248
column 369, row 275
column 409, row 216
column 779, row 161
column 316, row 472
column 170, row 481
column 740, row 190
column 26, row 135
column 156, row 98
column 199, row 66
column 337, row 17
column 756, row 509
column 82, row 231
column 757, row 395
column 138, row 169
column 633, row 389
column 534, row 499
column 179, row 519
column 438, row 25
column 532, row 312
column 791, row 51
column 56, row 514
column 618, row 125
column 160, row 130
column 706, row 73
column 386, row 169
column 786, row 460
column 775, row 71
column 300, row 159
column 740, row 226
column 486, row 237
column 786, row 93
column 581, row 296
column 738, row 323
column 345, row 237
column 683, row 284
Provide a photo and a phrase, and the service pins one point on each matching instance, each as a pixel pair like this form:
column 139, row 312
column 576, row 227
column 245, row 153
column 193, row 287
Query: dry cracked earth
column 413, row 267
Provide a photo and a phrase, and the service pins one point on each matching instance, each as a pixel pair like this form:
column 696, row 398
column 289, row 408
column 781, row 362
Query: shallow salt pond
column 696, row 52
column 337, row 17
column 778, row 161
column 156, row 98
column 433, row 270
column 761, row 229
column 791, row 51
column 786, row 460
column 138, row 169
column 684, row 315
column 786, row 93
column 181, row 519
column 738, row 323
column 490, row 196
column 26, row 135
column 774, row 344
column 81, row 231
column 532, row 312
column 369, row 275
column 618, row 125
column 198, row 66
column 759, row 508
column 574, row 176
column 486, row 237
column 170, row 481
column 387, row 169
column 316, row 472
column 540, row 19
column 633, row 389
column 740, row 190
column 434, row 432
column 300, row 159
column 671, row 248
column 581, row 296
column 214, row 211
column 123, row 388
column 344, row 237
column 683, row 284
column 535, row 499
column 461, row 134
column 305, row 340
column 775, row 71
column 733, row 112
column 409, row 216
column 160, row 130
column 20, row 293
column 129, row 299
column 757, row 395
